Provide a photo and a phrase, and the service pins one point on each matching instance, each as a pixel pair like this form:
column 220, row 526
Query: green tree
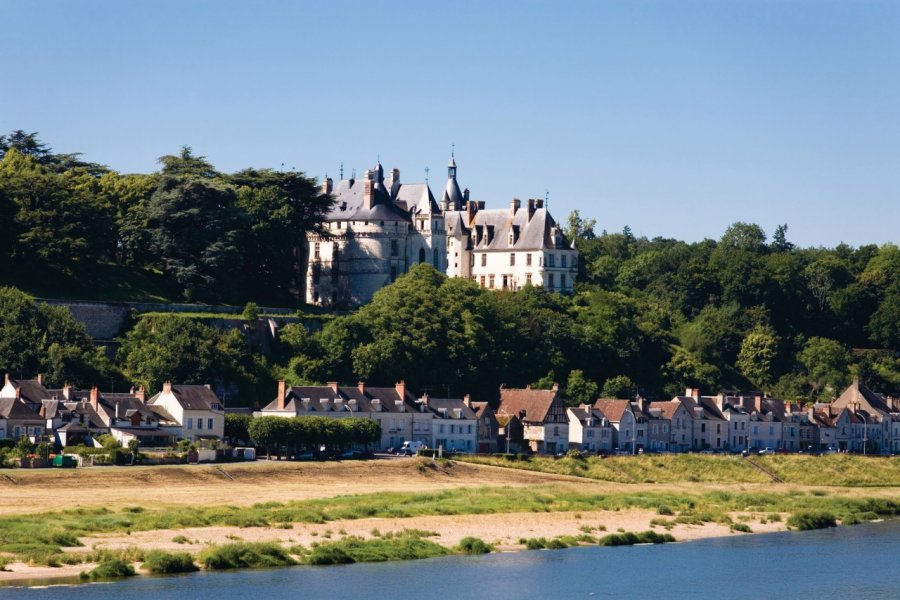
column 579, row 228
column 194, row 227
column 580, row 390
column 620, row 387
column 756, row 360
column 827, row 364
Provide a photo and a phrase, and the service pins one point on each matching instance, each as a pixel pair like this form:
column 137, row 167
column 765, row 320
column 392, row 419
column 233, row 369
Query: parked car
column 351, row 455
column 766, row 451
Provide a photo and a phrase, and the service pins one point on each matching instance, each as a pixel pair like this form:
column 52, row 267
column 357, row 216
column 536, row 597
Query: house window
column 562, row 261
column 209, row 423
column 702, row 427
column 550, row 283
column 528, row 259
column 562, row 282
column 551, row 260
column 528, row 278
column 482, row 281
column 512, row 259
column 484, row 260
column 190, row 423
column 491, row 281
column 316, row 250
column 199, row 424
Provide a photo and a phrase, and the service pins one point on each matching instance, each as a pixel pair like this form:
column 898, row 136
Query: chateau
column 380, row 227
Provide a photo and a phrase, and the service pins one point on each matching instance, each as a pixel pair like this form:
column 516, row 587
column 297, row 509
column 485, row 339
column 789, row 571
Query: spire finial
column 547, row 200
column 426, row 175
column 342, row 170
column 452, row 150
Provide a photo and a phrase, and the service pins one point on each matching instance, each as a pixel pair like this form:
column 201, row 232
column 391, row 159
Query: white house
column 589, row 430
column 455, row 424
column 196, row 409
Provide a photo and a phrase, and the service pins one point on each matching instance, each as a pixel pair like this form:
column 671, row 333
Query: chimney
column 40, row 379
column 481, row 205
column 361, row 385
column 471, row 209
column 282, row 391
column 333, row 385
column 400, row 386
column 467, row 400
column 539, row 203
column 95, row 399
column 530, row 208
column 555, row 387
column 167, row 387
column 368, row 191
column 757, row 403
column 6, row 378
column 207, row 386
column 327, row 186
column 141, row 394
column 424, row 401
column 466, row 195
column 514, row 206
column 67, row 392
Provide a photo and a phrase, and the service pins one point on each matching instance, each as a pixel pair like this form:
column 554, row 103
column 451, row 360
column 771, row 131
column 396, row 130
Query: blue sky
column 676, row 118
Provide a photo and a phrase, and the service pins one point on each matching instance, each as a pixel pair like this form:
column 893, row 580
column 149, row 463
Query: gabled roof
column 31, row 390
column 16, row 409
column 321, row 399
column 859, row 393
column 530, row 404
column 613, row 409
column 191, row 397
column 668, row 408
column 439, row 406
column 349, row 203
column 417, row 198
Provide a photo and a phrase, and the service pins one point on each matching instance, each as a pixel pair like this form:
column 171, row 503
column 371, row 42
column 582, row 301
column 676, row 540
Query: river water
column 847, row 562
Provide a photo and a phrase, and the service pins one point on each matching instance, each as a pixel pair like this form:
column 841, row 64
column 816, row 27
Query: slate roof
column 15, row 409
column 416, row 197
column 321, row 399
column 349, row 203
column 191, row 397
column 450, row 405
column 31, row 390
column 868, row 400
column 535, row 403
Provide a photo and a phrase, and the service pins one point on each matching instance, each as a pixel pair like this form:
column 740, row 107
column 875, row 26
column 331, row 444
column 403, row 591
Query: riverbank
column 298, row 506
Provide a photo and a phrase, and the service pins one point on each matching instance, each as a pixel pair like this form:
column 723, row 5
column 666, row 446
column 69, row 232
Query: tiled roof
column 612, row 409
column 535, row 403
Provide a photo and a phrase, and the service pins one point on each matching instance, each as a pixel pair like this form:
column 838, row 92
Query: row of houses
column 860, row 420
column 524, row 420
column 69, row 417
column 538, row 421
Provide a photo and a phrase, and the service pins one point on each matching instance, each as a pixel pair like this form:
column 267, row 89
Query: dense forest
column 648, row 317
column 193, row 232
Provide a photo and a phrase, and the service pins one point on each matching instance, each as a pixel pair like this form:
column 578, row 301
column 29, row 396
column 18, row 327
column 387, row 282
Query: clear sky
column 676, row 118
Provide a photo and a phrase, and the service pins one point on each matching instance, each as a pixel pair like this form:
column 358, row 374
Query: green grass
column 406, row 545
column 39, row 538
column 245, row 555
column 829, row 470
column 807, row 520
column 111, row 569
column 159, row 562
column 629, row 539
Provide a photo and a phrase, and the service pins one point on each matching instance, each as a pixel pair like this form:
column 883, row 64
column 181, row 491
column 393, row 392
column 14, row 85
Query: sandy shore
column 244, row 484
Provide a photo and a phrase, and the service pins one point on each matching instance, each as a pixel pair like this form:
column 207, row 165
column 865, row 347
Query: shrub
column 629, row 538
column 473, row 545
column 742, row 527
column 805, row 521
column 243, row 555
column 159, row 562
column 535, row 543
column 556, row 544
column 110, row 569
column 180, row 539
column 664, row 510
column 329, row 554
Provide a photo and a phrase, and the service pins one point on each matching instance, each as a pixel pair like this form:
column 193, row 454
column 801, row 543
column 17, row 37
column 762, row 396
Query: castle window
column 491, row 282
column 484, row 260
column 528, row 278
column 338, row 224
column 528, row 259
column 393, row 272
column 394, row 248
column 562, row 282
column 435, row 258
column 421, row 255
column 550, row 261
column 482, row 281
column 562, row 261
column 512, row 259
column 316, row 250
column 550, row 282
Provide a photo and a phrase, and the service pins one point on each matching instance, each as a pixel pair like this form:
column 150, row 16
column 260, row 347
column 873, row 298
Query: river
column 847, row 562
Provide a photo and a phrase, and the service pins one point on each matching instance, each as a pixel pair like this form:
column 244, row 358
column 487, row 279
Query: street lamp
column 865, row 427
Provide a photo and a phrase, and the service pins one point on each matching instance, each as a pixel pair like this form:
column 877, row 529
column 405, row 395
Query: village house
column 589, row 430
column 196, row 409
column 872, row 418
column 658, row 425
column 542, row 414
column 455, row 426
column 681, row 423
column 629, row 425
column 396, row 410
column 488, row 428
